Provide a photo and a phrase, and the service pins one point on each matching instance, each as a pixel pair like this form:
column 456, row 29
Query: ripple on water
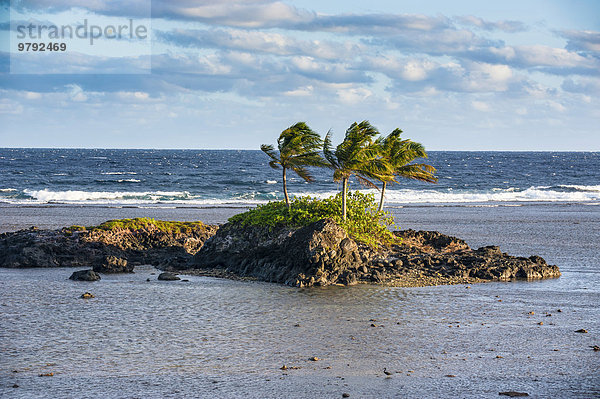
column 161, row 339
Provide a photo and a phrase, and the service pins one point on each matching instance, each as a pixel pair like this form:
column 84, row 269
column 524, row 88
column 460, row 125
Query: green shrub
column 363, row 222
column 144, row 223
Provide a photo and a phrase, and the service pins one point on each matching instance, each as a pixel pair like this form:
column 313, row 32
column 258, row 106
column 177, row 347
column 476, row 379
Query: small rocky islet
column 318, row 254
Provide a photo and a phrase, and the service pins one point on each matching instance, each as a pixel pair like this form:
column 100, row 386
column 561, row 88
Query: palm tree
column 299, row 146
column 357, row 155
column 398, row 154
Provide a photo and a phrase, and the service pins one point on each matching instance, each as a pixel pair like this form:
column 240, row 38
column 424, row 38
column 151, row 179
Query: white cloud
column 480, row 106
column 557, row 106
column 582, row 40
column 416, row 70
column 133, row 96
column 506, row 26
column 10, row 107
column 353, row 95
column 300, row 92
column 31, row 95
column 76, row 93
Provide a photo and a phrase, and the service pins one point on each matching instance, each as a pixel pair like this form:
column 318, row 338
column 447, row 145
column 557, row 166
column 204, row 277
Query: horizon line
column 249, row 149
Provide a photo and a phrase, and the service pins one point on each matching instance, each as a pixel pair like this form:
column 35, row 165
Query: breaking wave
column 561, row 193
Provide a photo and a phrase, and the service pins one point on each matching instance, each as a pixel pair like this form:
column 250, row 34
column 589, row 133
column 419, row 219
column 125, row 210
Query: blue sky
column 454, row 75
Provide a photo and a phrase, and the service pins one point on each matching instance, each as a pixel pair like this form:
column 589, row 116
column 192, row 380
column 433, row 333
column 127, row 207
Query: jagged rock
column 85, row 275
column 322, row 254
column 317, row 254
column 112, row 264
column 168, row 276
column 107, row 251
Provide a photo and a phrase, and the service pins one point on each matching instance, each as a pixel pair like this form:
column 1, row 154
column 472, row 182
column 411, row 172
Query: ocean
column 205, row 178
column 214, row 338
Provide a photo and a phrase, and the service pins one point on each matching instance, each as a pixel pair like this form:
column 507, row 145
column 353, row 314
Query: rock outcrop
column 319, row 254
column 112, row 264
column 85, row 275
column 322, row 254
column 108, row 251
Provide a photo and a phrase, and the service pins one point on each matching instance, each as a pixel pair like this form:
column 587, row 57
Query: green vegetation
column 357, row 155
column 140, row 223
column 398, row 154
column 299, row 146
column 364, row 223
column 361, row 154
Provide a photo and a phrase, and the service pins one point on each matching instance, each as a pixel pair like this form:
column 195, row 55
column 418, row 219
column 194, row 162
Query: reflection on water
column 219, row 338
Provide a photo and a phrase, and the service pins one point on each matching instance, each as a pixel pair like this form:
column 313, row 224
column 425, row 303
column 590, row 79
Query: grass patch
column 140, row 223
column 363, row 222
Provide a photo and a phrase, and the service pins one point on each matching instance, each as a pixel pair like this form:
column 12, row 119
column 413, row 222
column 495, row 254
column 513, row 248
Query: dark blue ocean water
column 208, row 177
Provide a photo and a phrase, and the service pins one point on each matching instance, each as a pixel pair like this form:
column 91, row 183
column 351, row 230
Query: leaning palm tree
column 357, row 155
column 398, row 154
column 299, row 146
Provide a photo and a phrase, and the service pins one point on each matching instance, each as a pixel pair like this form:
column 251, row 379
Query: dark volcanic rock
column 112, row 264
column 85, row 275
column 167, row 276
column 322, row 254
column 107, row 251
column 318, row 254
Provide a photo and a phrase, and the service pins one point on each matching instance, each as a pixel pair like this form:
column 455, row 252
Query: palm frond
column 270, row 151
column 328, row 151
column 302, row 172
column 274, row 164
column 366, row 182
column 421, row 172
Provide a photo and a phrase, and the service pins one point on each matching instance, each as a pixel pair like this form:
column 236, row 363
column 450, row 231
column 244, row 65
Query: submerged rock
column 167, row 276
column 85, row 275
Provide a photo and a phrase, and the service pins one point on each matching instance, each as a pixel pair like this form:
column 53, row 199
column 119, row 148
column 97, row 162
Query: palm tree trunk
column 344, row 194
column 382, row 197
column 287, row 199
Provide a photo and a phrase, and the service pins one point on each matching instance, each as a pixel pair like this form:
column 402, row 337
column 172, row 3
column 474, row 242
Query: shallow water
column 218, row 338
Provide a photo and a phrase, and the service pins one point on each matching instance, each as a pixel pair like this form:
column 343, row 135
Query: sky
column 453, row 75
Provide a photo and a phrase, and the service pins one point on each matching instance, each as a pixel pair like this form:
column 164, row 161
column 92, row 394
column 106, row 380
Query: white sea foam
column 581, row 188
column 271, row 182
column 7, row 190
column 532, row 194
column 87, row 196
column 511, row 194
column 129, row 181
column 118, row 173
column 579, row 194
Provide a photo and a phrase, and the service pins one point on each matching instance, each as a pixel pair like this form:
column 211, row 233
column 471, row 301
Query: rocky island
column 319, row 253
column 323, row 254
